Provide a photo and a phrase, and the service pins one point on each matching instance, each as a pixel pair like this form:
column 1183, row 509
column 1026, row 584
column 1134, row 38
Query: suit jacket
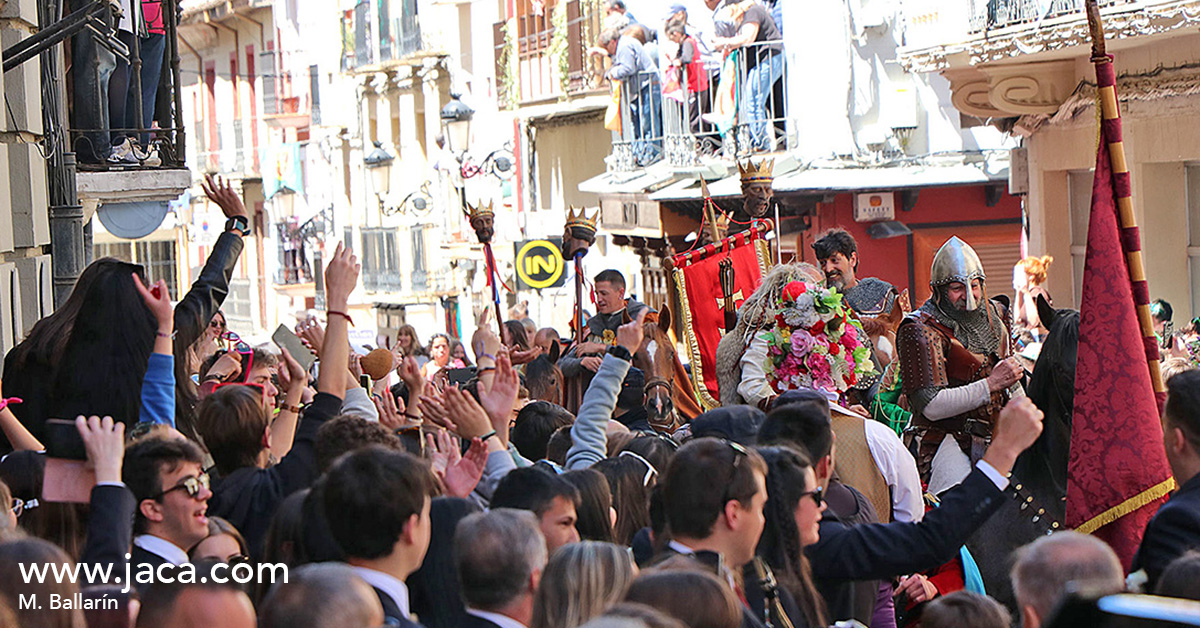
column 1175, row 529
column 476, row 622
column 139, row 559
column 391, row 612
column 882, row 551
column 110, row 528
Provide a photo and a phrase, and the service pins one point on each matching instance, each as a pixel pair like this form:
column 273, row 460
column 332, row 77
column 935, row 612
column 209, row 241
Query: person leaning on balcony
column 759, row 36
column 633, row 65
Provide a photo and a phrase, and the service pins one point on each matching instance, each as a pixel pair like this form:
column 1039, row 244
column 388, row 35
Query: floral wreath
column 815, row 342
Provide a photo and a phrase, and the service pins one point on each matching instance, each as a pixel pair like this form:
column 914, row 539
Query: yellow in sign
column 539, row 264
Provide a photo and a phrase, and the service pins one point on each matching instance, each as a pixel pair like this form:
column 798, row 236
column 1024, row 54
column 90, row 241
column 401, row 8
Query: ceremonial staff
column 578, row 236
column 725, row 274
column 483, row 222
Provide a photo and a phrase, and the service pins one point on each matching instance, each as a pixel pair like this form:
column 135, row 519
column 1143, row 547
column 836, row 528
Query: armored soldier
column 956, row 367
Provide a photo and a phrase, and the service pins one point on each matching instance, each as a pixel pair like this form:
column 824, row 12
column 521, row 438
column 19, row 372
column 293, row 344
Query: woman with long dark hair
column 793, row 512
column 631, row 479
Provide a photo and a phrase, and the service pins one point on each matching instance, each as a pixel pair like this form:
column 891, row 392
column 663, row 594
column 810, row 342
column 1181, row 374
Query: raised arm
column 158, row 386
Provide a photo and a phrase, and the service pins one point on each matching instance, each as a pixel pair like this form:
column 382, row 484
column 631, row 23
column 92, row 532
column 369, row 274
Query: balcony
column 947, row 34
column 685, row 120
column 535, row 61
column 373, row 38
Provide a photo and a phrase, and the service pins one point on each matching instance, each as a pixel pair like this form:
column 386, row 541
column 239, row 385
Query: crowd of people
column 457, row 490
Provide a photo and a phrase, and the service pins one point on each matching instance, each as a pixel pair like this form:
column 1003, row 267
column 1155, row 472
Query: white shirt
column 680, row 548
column 504, row 621
column 899, row 470
column 162, row 548
column 392, row 587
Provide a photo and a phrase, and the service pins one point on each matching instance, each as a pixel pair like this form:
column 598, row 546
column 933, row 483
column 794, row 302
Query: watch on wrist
column 620, row 352
column 241, row 224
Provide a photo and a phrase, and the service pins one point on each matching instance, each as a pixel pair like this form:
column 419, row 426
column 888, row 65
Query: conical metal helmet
column 957, row 261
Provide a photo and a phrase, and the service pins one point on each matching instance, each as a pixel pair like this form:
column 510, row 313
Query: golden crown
column 580, row 218
column 764, row 171
column 480, row 211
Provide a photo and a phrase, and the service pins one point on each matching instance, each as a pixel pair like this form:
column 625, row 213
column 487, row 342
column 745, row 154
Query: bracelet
column 162, row 335
column 483, row 369
column 415, row 417
column 295, row 408
column 342, row 314
column 4, row 403
column 490, row 434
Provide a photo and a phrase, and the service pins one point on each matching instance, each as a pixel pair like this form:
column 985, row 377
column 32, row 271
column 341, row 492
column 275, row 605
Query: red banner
column 702, row 301
column 1117, row 475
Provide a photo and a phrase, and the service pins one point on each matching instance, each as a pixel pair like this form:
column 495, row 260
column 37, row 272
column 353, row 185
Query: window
column 294, row 264
column 380, row 260
column 1193, row 250
column 420, row 275
column 314, row 86
column 156, row 257
column 1079, row 199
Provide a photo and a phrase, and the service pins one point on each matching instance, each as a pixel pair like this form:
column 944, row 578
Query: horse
column 1039, row 475
column 671, row 399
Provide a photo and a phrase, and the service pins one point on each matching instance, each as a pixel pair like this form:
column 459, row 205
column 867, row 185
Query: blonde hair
column 1174, row 366
column 1036, row 267
column 581, row 582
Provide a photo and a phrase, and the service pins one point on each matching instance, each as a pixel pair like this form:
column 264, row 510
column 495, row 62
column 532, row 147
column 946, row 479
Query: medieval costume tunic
column 946, row 355
column 602, row 328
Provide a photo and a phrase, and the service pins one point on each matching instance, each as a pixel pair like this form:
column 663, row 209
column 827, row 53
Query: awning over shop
column 822, row 180
column 637, row 182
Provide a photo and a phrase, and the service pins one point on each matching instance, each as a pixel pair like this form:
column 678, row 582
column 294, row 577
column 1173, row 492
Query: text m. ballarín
column 69, row 602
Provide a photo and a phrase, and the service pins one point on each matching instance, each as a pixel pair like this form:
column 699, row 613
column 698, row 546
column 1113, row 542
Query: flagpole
column 1110, row 128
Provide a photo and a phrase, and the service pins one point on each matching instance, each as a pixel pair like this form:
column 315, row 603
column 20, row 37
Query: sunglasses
column 817, row 495
column 651, row 472
column 216, row 324
column 739, row 452
column 194, row 485
column 20, row 505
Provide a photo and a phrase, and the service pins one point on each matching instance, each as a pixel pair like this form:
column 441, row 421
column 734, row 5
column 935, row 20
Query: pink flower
column 802, row 342
column 818, row 368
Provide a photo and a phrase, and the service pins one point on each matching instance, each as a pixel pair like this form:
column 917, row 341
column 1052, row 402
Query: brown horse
column 882, row 329
column 671, row 401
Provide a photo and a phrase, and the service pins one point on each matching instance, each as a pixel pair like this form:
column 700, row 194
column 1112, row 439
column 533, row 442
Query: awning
column 820, row 180
column 636, row 182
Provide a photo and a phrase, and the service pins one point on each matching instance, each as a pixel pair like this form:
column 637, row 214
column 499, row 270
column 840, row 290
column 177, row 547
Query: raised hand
column 104, row 440
column 217, row 190
column 526, row 356
column 341, row 277
column 463, row 474
column 312, row 334
column 631, row 334
column 292, row 375
column 498, row 394
column 391, row 411
column 226, row 367
column 158, row 299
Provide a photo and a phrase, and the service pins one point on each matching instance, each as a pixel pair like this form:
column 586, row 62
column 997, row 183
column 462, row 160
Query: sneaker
column 153, row 159
column 123, row 153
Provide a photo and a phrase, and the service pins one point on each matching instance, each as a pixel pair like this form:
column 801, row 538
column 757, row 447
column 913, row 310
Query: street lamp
column 456, row 118
column 379, row 163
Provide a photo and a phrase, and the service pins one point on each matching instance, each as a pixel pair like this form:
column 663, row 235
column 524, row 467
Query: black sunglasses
column 194, row 485
column 817, row 495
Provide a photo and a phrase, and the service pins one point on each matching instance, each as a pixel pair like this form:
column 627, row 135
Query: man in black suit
column 845, row 554
column 713, row 493
column 167, row 479
column 499, row 556
column 1175, row 529
column 376, row 502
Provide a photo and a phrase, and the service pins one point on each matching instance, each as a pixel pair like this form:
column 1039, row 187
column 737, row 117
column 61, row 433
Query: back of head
column 232, row 422
column 496, row 555
column 806, row 424
column 518, row 336
column 697, row 598
column 147, row 459
column 1181, row 578
column 595, row 504
column 1035, row 268
column 348, row 433
column 322, row 595
column 964, row 609
column 1044, row 569
column 1183, row 405
column 177, row 604
column 740, row 424
column 13, row 586
column 63, row 524
column 559, row 445
column 535, row 423
column 104, row 360
column 370, row 495
column 581, row 581
column 633, row 615
column 630, row 492
column 703, row 464
column 657, row 449
column 532, row 489
column 1161, row 310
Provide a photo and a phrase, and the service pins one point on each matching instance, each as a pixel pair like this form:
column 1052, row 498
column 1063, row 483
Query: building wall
column 566, row 155
column 1161, row 141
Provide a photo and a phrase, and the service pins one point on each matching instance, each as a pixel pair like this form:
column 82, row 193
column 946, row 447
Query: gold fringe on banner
column 1161, row 489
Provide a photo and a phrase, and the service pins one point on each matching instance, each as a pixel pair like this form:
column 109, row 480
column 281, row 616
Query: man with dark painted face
column 957, row 367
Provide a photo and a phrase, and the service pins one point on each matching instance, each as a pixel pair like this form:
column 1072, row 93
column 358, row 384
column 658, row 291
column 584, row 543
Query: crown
column 479, row 211
column 580, row 219
column 764, row 171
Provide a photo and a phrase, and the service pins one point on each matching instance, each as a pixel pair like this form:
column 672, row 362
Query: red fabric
column 1116, row 439
column 705, row 299
column 697, row 78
